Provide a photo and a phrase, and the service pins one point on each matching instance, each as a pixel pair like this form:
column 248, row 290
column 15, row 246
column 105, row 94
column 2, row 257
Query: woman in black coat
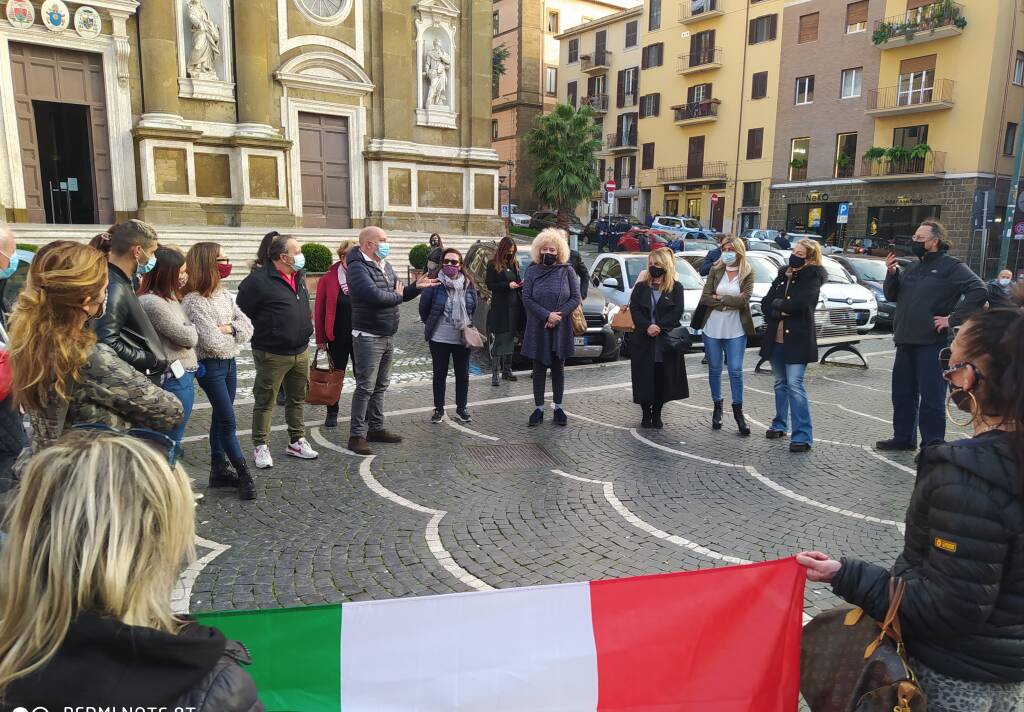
column 790, row 342
column 658, row 371
column 962, row 613
column 504, row 319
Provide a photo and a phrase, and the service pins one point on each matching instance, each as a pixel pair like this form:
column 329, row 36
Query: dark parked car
column 600, row 342
column 642, row 239
column 545, row 219
column 870, row 273
column 874, row 247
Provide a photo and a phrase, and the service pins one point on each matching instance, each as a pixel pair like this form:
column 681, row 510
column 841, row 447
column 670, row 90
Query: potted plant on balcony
column 318, row 261
column 882, row 33
column 843, row 162
column 874, row 153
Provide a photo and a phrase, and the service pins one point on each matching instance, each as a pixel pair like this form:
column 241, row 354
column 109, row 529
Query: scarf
column 456, row 298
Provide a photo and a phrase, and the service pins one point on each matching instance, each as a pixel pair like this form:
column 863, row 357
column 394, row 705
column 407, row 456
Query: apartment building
column 706, row 148
column 527, row 30
column 904, row 109
column 601, row 63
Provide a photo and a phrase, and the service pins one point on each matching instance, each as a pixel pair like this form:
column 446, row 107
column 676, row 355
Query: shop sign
column 903, row 200
column 817, row 196
column 87, row 22
column 56, row 16
column 20, row 13
column 674, row 188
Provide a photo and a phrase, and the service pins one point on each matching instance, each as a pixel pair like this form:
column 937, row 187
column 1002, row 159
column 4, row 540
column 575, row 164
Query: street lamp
column 505, row 184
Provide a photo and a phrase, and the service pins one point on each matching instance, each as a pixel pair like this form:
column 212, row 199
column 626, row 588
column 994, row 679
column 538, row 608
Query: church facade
column 287, row 113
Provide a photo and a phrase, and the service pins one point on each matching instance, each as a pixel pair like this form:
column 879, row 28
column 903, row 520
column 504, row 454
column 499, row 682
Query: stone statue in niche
column 436, row 64
column 205, row 42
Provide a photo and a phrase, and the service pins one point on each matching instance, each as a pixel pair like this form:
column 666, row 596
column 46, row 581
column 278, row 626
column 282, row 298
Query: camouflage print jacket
column 108, row 391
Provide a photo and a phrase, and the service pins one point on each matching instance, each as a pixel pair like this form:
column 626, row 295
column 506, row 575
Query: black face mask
column 919, row 249
column 548, row 259
column 797, row 262
column 656, row 271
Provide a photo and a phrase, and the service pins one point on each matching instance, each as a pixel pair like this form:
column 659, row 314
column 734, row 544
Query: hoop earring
column 949, row 411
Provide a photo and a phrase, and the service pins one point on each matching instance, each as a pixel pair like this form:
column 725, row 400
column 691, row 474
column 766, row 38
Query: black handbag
column 679, row 339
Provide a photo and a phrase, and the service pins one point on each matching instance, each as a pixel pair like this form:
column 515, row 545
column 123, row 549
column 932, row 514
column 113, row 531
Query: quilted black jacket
column 963, row 561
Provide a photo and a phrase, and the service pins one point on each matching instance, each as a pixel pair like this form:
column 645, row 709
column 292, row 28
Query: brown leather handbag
column 324, row 383
column 851, row 663
column 623, row 320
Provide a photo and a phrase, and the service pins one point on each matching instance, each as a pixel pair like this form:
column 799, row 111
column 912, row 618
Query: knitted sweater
column 209, row 313
column 177, row 333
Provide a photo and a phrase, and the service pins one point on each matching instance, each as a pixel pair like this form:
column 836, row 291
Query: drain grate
column 508, row 458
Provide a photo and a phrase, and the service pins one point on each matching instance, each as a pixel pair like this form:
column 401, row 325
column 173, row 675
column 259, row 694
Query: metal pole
column 53, row 210
column 984, row 236
column 68, row 194
column 1011, row 201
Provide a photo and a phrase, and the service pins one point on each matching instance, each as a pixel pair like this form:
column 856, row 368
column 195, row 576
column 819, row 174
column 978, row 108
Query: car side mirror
column 613, row 283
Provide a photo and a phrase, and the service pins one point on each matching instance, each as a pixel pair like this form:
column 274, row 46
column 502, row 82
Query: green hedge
column 524, row 231
column 27, row 247
column 418, row 256
column 318, row 257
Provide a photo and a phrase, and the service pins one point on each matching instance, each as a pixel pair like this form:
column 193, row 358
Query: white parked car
column 842, row 292
column 516, row 218
column 683, row 227
column 826, row 249
column 765, row 272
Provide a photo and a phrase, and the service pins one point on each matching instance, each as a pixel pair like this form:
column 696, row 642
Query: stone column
column 253, row 23
column 159, row 52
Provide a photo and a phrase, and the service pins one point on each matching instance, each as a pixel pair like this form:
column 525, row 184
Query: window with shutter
column 661, row 53
column 654, row 19
column 917, row 64
column 571, row 92
column 1018, row 70
column 648, row 157
column 695, row 158
column 808, row 28
column 657, row 104
column 857, row 17
column 574, row 50
column 631, row 33
column 762, row 29
column 755, row 144
column 620, row 89
column 759, row 85
column 914, row 4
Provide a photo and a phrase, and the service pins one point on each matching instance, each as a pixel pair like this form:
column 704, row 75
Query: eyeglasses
column 455, row 263
column 160, row 442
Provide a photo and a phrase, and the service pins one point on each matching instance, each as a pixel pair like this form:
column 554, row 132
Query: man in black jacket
column 123, row 324
column 926, row 295
column 376, row 295
column 275, row 298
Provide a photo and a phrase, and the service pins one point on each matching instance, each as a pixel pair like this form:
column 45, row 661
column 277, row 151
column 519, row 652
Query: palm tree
column 563, row 144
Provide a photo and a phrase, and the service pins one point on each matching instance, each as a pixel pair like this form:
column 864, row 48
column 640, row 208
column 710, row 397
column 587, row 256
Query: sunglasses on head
column 160, row 442
column 451, row 262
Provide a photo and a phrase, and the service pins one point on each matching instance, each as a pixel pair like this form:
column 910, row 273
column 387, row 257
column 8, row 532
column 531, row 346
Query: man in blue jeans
column 927, row 294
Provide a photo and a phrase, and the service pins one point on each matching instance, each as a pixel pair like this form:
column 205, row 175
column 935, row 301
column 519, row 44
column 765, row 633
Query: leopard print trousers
column 947, row 694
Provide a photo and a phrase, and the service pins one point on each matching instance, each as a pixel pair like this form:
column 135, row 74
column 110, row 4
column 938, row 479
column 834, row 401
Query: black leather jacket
column 125, row 327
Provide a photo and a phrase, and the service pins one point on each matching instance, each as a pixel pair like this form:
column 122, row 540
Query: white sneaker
column 261, row 456
column 300, row 448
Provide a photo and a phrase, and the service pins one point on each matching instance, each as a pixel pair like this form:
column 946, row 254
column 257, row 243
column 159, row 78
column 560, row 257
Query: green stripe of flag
column 296, row 654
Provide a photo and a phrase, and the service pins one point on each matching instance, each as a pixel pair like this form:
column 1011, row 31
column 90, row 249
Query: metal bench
column 835, row 344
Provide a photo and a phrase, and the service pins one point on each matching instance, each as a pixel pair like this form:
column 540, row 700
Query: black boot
column 221, row 474
column 656, row 416
column 716, row 417
column 506, row 369
column 495, row 371
column 331, row 421
column 741, row 422
column 645, row 421
column 246, row 485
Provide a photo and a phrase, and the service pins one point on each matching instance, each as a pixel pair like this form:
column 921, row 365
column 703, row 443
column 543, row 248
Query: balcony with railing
column 596, row 62
column 923, row 24
column 625, row 141
column 699, row 60
column 904, row 166
column 910, row 99
column 696, row 112
column 716, row 170
column 695, row 10
column 597, row 102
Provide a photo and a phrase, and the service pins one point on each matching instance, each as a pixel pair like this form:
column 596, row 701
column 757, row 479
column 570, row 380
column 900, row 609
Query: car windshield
column 836, row 273
column 669, row 222
column 871, row 270
column 686, row 275
column 691, row 223
column 764, row 271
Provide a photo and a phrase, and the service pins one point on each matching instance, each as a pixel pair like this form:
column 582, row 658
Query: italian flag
column 716, row 640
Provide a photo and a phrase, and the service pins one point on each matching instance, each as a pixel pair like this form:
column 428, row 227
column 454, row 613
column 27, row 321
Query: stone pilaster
column 254, row 21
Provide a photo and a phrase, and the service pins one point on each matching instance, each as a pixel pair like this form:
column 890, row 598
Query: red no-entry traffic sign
column 609, row 186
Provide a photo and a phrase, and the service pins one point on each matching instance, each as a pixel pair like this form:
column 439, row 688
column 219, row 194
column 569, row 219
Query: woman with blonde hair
column 332, row 318
column 790, row 341
column 222, row 328
column 656, row 305
column 97, row 533
column 551, row 291
column 726, row 301
column 62, row 376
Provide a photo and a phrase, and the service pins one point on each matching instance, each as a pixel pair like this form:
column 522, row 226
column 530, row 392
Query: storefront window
column 896, row 224
column 749, row 221
column 672, row 206
column 693, row 208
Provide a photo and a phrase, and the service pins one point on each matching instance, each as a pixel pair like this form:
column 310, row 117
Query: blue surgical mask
column 11, row 268
column 383, row 250
column 298, row 261
column 728, row 257
column 146, row 268
column 1003, row 281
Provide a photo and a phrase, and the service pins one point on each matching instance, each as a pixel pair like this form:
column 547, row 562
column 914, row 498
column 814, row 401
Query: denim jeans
column 273, row 371
column 733, row 350
column 371, row 356
column 458, row 355
column 791, row 399
column 219, row 384
column 917, row 379
column 184, row 389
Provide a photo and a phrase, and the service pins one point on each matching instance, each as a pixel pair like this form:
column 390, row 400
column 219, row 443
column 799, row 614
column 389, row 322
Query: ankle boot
column 331, row 420
column 645, row 421
column 506, row 369
column 495, row 371
column 656, row 416
column 741, row 422
column 220, row 474
column 246, row 485
column 716, row 417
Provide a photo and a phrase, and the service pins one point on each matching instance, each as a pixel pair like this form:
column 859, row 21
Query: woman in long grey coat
column 551, row 291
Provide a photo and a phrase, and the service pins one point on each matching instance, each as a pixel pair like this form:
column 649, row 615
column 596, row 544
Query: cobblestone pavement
column 451, row 509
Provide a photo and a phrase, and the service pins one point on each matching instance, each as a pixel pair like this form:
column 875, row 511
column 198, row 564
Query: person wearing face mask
column 963, row 554
column 332, row 319
column 434, row 257
column 727, row 326
column 505, row 317
column 62, row 375
column 276, row 300
column 376, row 296
column 790, row 341
column 933, row 296
column 159, row 294
column 551, row 291
column 999, row 290
column 124, row 325
column 446, row 311
column 9, row 262
column 658, row 371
